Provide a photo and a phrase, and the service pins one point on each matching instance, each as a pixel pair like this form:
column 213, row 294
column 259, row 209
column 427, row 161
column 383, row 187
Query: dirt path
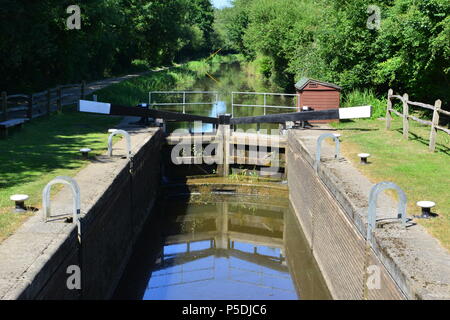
column 101, row 84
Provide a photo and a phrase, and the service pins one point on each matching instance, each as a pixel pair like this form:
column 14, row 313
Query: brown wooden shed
column 318, row 95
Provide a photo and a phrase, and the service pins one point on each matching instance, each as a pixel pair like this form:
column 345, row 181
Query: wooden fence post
column 30, row 107
column 437, row 107
column 83, row 86
column 405, row 116
column 389, row 110
column 226, row 150
column 4, row 106
column 58, row 101
column 49, row 101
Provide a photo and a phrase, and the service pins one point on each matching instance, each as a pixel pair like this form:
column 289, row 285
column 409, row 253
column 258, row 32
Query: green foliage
column 330, row 40
column 39, row 51
column 408, row 163
column 364, row 98
column 44, row 149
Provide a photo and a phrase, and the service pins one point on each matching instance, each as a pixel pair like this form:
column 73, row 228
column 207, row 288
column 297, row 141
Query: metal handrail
column 127, row 137
column 187, row 92
column 372, row 211
column 265, row 105
column 183, row 102
column 75, row 192
column 266, row 93
column 319, row 148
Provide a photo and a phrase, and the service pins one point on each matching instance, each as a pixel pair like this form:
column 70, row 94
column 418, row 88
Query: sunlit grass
column 44, row 149
column 421, row 174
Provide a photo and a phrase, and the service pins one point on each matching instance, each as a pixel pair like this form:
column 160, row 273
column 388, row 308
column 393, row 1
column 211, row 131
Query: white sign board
column 94, row 107
column 355, row 112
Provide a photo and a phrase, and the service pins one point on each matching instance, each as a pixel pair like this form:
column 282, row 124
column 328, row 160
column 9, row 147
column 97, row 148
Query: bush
column 365, row 98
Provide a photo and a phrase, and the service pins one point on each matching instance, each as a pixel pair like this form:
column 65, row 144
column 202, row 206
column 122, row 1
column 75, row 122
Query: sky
column 221, row 3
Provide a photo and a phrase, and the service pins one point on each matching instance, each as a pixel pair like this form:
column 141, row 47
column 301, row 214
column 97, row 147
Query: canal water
column 219, row 246
column 224, row 79
column 224, row 247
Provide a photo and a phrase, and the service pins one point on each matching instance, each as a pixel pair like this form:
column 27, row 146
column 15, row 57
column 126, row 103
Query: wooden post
column 83, row 87
column 389, row 109
column 49, row 101
column 226, row 149
column 224, row 136
column 59, row 100
column 224, row 132
column 437, row 107
column 4, row 106
column 405, row 116
column 30, row 107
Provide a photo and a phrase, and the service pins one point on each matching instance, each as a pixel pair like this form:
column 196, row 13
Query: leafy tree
column 330, row 40
column 39, row 51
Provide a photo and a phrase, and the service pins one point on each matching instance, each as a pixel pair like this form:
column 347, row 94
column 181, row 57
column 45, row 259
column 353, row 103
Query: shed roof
column 305, row 81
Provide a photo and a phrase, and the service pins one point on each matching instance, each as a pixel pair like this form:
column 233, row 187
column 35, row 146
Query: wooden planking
column 437, row 110
column 257, row 161
column 444, row 112
column 34, row 103
column 205, row 138
column 420, row 104
column 262, row 140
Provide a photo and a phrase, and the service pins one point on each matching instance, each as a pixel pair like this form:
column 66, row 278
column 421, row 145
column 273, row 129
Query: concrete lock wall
column 109, row 229
column 337, row 245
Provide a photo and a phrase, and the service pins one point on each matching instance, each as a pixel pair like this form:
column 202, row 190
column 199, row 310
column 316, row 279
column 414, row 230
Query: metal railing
column 76, row 211
column 128, row 139
column 372, row 211
column 264, row 105
column 319, row 148
column 183, row 95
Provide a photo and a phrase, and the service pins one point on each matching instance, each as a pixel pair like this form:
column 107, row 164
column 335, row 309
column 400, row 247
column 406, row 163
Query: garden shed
column 318, row 95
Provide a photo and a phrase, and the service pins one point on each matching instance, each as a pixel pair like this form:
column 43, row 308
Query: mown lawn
column 44, row 149
column 422, row 175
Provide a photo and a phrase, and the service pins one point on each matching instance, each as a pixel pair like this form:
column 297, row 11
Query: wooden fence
column 436, row 108
column 30, row 106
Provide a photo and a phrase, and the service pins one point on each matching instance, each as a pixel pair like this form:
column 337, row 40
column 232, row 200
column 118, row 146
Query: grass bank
column 44, row 149
column 49, row 147
column 421, row 174
column 179, row 77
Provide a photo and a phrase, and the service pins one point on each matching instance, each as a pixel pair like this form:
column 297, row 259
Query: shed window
column 313, row 85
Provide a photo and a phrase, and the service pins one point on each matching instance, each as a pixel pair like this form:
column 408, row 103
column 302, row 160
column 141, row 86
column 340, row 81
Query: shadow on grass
column 425, row 141
column 48, row 144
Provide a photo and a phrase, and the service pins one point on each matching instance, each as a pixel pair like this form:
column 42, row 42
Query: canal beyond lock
column 218, row 246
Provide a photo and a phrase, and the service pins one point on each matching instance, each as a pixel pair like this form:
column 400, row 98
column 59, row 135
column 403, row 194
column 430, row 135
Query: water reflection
column 232, row 77
column 227, row 250
column 222, row 253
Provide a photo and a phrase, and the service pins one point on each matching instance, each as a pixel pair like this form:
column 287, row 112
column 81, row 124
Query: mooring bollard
column 75, row 192
column 372, row 211
column 426, row 207
column 76, row 200
column 19, row 200
column 85, row 152
column 128, row 139
column 363, row 158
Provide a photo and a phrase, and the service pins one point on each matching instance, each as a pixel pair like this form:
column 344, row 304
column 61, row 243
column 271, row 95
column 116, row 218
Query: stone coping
column 415, row 260
column 24, row 254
